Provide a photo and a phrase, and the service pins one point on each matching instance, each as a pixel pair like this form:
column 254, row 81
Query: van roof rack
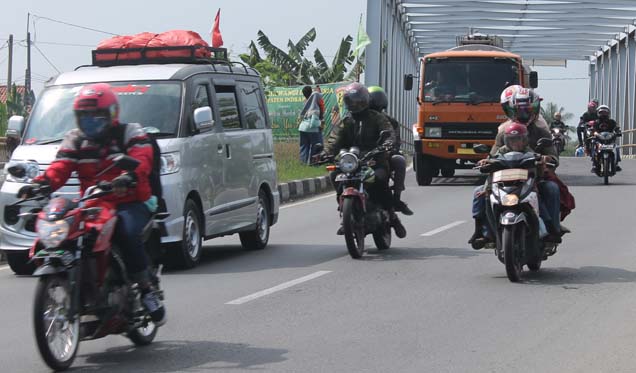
column 189, row 54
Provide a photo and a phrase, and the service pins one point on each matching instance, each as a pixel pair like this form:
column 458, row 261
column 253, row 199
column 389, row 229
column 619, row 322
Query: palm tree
column 323, row 73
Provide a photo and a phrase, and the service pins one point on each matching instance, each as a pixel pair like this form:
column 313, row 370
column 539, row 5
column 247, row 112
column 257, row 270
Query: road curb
column 298, row 189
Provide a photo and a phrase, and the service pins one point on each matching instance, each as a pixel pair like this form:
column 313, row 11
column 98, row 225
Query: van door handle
column 228, row 154
column 219, row 148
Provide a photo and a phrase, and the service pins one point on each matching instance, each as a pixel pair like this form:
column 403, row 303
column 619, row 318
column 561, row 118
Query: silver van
column 211, row 122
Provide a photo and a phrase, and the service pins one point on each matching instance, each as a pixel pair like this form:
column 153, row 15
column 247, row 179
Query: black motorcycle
column 512, row 210
column 604, row 147
column 559, row 139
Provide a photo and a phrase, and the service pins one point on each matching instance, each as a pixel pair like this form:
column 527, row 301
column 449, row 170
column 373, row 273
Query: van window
column 228, row 108
column 252, row 105
column 201, row 98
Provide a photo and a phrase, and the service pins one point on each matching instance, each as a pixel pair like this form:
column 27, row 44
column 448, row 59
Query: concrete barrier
column 298, row 189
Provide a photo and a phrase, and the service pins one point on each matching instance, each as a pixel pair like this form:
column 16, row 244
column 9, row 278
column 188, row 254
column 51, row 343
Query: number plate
column 607, row 147
column 512, row 174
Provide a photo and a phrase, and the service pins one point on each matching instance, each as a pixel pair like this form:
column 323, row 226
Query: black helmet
column 356, row 97
column 377, row 98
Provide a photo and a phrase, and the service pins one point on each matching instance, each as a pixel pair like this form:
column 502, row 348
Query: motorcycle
column 558, row 139
column 361, row 216
column 512, row 210
column 83, row 290
column 604, row 147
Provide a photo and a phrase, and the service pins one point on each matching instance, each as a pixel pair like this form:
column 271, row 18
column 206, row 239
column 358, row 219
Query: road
column 430, row 304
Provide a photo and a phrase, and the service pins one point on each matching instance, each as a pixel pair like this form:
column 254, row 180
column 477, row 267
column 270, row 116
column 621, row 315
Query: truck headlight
column 170, row 163
column 432, row 131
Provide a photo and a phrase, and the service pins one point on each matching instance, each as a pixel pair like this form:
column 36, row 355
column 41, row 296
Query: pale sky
column 240, row 21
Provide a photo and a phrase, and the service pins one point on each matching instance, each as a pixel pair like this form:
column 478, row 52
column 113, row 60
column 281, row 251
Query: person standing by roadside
column 309, row 126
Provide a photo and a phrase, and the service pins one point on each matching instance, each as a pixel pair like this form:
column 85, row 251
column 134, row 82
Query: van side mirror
column 481, row 149
column 15, row 127
column 203, row 118
column 408, row 82
column 534, row 79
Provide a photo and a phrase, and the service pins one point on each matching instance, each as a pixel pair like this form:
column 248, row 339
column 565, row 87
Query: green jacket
column 362, row 132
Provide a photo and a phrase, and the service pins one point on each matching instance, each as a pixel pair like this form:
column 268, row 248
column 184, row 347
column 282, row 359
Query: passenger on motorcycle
column 606, row 124
column 558, row 123
column 588, row 116
column 525, row 108
column 379, row 102
column 361, row 127
column 89, row 150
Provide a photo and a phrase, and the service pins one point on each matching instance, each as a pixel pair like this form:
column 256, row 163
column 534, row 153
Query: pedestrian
column 309, row 126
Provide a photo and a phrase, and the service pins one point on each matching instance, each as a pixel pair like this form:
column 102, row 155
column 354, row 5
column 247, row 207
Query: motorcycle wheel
column 354, row 235
column 513, row 238
column 382, row 237
column 606, row 170
column 57, row 337
column 143, row 336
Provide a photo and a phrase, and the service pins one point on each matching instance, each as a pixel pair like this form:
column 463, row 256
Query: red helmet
column 591, row 106
column 96, row 110
column 516, row 136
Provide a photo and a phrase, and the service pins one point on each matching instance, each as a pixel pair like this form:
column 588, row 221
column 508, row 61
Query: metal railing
column 630, row 144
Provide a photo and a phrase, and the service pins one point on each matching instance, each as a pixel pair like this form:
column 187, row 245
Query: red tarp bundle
column 174, row 38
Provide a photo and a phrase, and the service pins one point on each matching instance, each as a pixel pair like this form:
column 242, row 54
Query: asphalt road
column 430, row 304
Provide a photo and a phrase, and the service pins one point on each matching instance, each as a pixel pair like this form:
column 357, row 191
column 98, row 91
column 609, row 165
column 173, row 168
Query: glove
column 122, row 182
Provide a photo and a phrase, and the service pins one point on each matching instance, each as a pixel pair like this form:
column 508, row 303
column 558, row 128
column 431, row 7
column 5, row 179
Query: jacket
column 536, row 130
column 396, row 130
column 609, row 125
column 361, row 130
column 87, row 158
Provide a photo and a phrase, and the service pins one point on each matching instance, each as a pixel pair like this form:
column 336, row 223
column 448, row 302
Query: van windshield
column 150, row 104
column 470, row 80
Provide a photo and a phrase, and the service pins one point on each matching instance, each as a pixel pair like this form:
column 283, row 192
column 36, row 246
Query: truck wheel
column 425, row 169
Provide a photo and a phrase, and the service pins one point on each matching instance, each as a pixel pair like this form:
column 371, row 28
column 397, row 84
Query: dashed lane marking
column 442, row 229
column 276, row 288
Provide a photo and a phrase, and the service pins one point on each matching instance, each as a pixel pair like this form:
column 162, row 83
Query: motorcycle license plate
column 607, row 147
column 512, row 174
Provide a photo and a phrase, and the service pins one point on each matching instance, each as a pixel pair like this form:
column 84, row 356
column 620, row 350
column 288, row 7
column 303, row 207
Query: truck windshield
column 470, row 80
column 150, row 104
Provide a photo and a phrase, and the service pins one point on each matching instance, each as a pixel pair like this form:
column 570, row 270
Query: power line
column 35, row 16
column 46, row 58
column 65, row 44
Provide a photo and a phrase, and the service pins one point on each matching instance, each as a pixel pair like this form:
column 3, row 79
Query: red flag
column 217, row 39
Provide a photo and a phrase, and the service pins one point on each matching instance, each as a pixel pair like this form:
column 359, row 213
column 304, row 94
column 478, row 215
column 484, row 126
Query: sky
column 281, row 20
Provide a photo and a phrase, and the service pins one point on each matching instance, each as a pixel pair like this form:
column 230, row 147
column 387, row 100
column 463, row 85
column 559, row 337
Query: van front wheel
column 187, row 253
column 257, row 239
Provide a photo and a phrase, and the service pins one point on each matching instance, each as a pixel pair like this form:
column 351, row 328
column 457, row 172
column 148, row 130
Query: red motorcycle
column 83, row 291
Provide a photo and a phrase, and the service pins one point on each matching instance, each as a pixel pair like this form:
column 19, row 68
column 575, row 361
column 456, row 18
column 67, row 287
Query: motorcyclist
column 606, row 124
column 379, row 102
column 558, row 123
column 525, row 108
column 589, row 116
column 361, row 127
column 89, row 150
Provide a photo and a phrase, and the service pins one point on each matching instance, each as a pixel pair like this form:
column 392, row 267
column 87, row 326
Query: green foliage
column 4, row 117
column 292, row 67
column 288, row 165
column 550, row 108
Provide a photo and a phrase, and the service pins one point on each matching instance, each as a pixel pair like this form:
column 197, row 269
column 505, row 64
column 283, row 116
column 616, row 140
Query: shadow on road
column 177, row 356
column 215, row 259
column 419, row 254
column 588, row 275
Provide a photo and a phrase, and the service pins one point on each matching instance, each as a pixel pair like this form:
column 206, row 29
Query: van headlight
column 432, row 131
column 170, row 163
column 32, row 171
column 348, row 163
column 52, row 233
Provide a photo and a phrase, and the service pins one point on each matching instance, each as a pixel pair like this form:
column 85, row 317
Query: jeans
column 131, row 219
column 398, row 166
column 549, row 205
column 307, row 142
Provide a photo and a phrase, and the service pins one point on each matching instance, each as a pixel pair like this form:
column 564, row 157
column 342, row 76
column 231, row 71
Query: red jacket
column 88, row 158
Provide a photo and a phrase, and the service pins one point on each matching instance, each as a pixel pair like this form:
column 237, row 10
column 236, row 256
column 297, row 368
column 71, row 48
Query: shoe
column 553, row 238
column 565, row 230
column 478, row 243
column 618, row 168
column 399, row 229
column 340, row 231
column 155, row 307
column 402, row 207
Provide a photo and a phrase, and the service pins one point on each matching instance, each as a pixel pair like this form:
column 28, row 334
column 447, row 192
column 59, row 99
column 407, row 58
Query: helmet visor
column 516, row 143
column 93, row 126
column 523, row 113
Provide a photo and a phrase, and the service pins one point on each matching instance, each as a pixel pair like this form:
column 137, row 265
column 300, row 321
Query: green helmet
column 377, row 98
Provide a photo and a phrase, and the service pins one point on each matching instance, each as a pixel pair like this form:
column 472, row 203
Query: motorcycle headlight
column 510, row 200
column 348, row 163
column 52, row 233
column 32, row 171
column 557, row 131
column 170, row 163
column 432, row 131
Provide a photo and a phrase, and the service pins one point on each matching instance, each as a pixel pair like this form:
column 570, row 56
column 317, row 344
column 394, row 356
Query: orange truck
column 458, row 103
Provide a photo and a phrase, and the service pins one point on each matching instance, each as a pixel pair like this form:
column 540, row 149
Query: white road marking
column 276, row 288
column 2, row 268
column 442, row 229
column 307, row 201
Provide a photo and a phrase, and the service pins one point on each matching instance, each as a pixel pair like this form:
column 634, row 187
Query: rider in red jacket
column 89, row 150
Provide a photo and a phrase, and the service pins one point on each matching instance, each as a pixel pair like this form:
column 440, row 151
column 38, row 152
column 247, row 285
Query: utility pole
column 9, row 70
column 27, row 75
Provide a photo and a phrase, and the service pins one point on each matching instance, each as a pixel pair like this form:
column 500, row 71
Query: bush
column 288, row 164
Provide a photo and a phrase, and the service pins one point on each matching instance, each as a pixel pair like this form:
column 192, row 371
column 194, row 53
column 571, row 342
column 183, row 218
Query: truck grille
column 467, row 131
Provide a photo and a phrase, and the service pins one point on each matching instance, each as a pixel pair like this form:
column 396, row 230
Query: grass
column 288, row 164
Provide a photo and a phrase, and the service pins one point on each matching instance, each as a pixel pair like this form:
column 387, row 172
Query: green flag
column 362, row 40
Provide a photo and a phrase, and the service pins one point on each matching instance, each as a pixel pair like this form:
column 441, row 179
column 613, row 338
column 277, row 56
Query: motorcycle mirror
column 17, row 170
column 481, row 149
column 126, row 162
column 384, row 135
column 543, row 142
